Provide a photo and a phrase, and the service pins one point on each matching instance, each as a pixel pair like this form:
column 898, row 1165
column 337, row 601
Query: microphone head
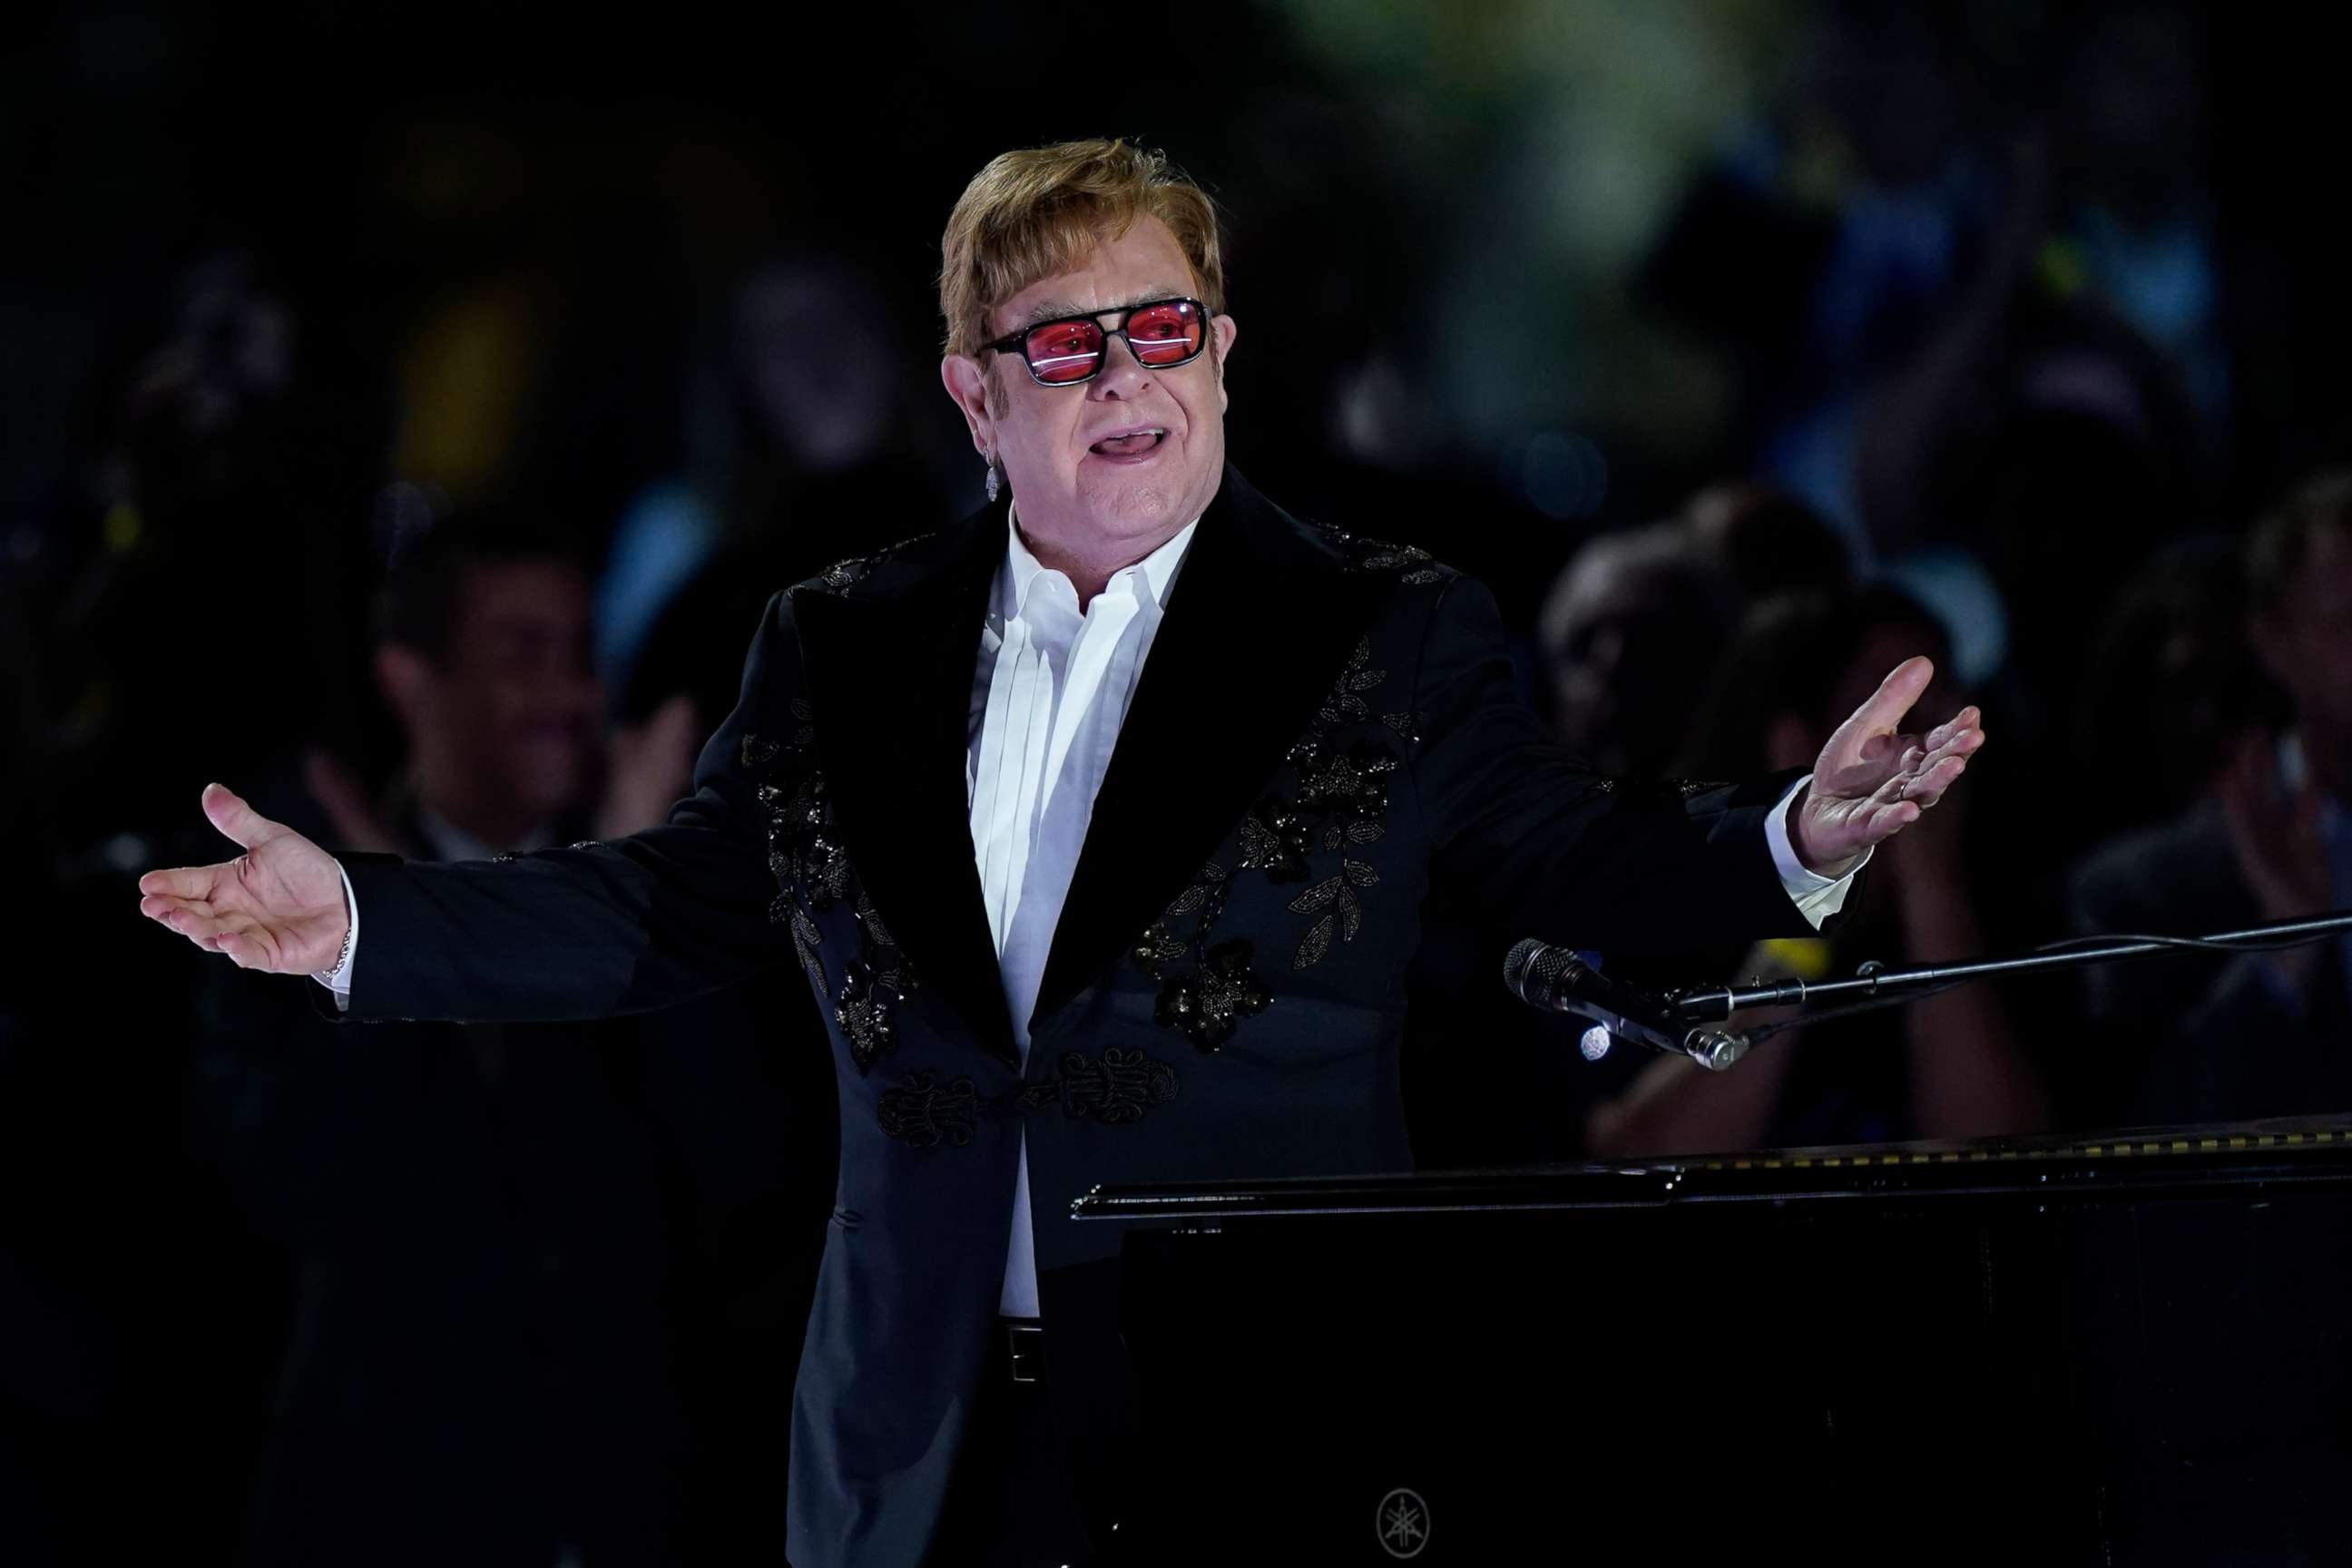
column 1532, row 970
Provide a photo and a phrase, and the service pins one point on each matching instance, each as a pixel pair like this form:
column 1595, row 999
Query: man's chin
column 1132, row 505
column 547, row 788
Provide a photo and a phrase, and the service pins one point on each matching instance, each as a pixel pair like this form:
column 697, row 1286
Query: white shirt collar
column 1152, row 574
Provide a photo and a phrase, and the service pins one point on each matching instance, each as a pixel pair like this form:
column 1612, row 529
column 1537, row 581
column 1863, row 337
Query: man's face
column 517, row 692
column 1627, row 652
column 2307, row 645
column 1049, row 438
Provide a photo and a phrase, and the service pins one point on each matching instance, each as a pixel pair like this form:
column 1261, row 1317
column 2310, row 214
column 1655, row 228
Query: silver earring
column 993, row 480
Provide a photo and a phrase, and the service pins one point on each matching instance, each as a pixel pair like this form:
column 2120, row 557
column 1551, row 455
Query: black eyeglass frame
column 1019, row 340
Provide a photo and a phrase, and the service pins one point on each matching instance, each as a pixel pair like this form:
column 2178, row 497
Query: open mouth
column 1133, row 444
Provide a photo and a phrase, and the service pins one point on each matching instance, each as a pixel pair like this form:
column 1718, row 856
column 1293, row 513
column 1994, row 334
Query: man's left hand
column 1871, row 779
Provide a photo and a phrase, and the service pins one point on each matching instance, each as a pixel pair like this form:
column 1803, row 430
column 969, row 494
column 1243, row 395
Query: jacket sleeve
column 1569, row 855
column 598, row 929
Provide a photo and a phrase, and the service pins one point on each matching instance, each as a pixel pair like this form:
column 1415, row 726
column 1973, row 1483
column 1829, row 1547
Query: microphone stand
column 1874, row 985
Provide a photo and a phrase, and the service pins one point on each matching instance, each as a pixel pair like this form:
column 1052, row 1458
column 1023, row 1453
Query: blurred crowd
column 1986, row 376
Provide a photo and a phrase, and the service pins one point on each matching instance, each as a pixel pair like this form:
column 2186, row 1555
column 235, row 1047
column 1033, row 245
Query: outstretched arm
column 1635, row 864
column 640, row 923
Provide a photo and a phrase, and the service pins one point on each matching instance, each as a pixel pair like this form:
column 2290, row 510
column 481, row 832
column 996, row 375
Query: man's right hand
column 277, row 907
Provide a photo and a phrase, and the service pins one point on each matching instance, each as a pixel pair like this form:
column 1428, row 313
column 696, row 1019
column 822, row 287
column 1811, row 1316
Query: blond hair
column 1031, row 214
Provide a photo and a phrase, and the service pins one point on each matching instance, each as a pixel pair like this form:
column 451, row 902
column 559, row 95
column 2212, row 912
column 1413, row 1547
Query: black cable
column 2190, row 942
column 1766, row 1031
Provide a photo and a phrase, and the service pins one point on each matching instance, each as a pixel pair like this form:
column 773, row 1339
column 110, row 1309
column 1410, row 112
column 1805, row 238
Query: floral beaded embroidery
column 1411, row 563
column 843, row 576
column 813, row 872
column 1339, row 801
column 1206, row 1000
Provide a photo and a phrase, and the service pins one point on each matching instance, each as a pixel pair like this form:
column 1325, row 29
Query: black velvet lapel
column 890, row 664
column 1259, row 625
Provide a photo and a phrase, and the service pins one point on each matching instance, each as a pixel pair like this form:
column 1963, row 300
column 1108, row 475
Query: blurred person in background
column 1628, row 635
column 1824, row 243
column 482, row 657
column 1767, row 540
column 222, row 423
column 800, row 448
column 475, row 1228
column 2172, row 663
column 2033, row 453
column 1947, row 1066
column 235, row 435
column 2254, row 1033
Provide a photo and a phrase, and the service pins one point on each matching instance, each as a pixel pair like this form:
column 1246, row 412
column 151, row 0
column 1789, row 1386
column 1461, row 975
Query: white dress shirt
column 1050, row 690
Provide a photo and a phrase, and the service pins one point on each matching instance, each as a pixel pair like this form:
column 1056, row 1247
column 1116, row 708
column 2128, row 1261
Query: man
column 1100, row 824
column 474, row 1222
column 2256, row 1034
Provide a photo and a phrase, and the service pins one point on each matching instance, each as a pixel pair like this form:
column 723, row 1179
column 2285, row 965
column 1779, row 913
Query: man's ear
column 1222, row 328
column 408, row 683
column 967, row 386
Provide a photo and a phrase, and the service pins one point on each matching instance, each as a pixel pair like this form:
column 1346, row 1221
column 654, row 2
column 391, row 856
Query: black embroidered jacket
column 1323, row 718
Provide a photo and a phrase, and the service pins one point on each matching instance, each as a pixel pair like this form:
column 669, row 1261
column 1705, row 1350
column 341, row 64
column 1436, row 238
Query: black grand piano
column 2113, row 1350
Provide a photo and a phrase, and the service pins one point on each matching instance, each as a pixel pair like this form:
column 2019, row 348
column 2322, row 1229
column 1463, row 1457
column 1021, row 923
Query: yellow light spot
column 2061, row 266
column 123, row 527
column 1806, row 958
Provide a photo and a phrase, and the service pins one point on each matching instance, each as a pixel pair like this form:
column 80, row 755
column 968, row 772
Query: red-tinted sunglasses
column 1159, row 334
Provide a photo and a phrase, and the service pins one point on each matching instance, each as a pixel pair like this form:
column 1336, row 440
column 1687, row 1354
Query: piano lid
column 2066, row 1168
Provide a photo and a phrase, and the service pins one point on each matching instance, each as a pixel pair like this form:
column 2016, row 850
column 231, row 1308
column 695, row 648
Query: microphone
column 1556, row 980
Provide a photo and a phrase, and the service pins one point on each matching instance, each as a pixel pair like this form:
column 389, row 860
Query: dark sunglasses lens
column 1065, row 350
column 1165, row 333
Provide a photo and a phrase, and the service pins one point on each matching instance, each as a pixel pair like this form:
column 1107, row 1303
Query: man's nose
column 571, row 688
column 1122, row 376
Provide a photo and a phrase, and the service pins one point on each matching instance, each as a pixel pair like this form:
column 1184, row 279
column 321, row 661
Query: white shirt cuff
column 1817, row 897
column 339, row 979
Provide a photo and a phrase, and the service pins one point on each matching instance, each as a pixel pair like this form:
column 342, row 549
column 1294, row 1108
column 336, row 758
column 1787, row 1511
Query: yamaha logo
column 1403, row 1523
